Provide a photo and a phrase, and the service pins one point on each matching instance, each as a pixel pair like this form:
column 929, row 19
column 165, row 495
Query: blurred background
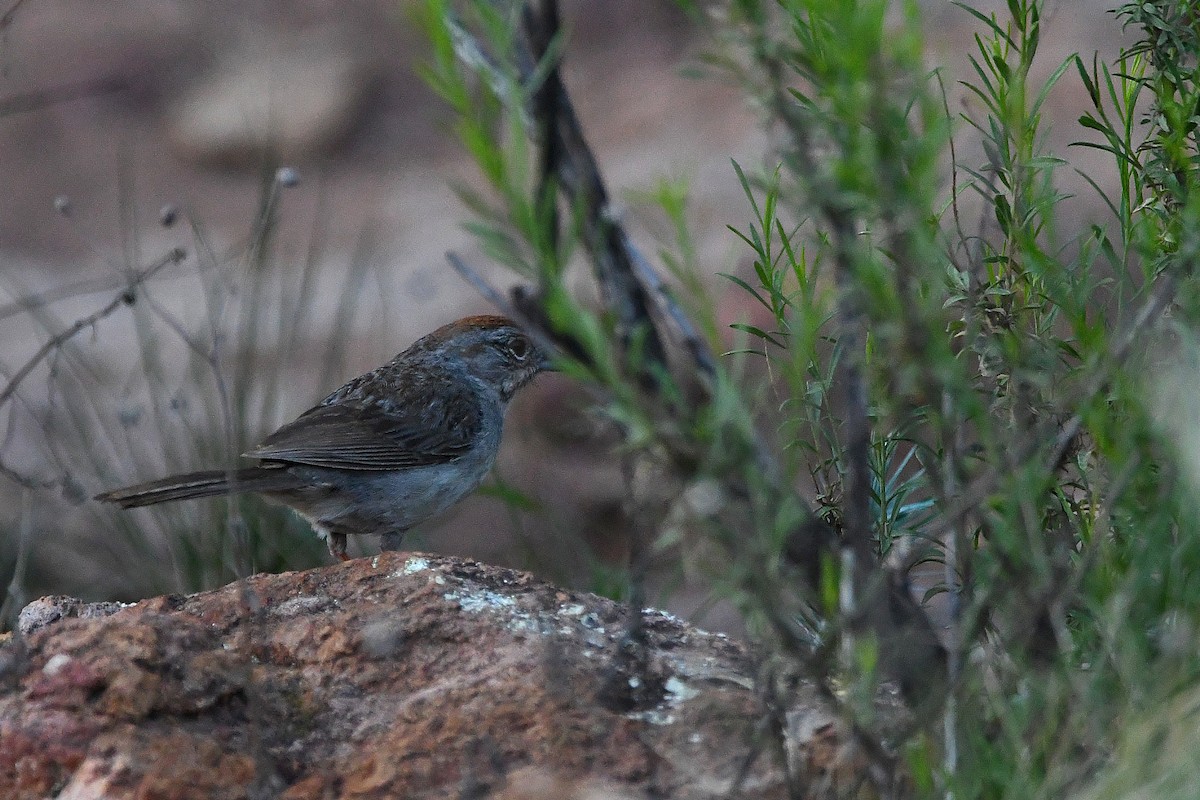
column 154, row 125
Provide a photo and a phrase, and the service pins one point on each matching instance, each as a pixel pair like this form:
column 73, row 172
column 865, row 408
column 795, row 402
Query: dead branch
column 126, row 297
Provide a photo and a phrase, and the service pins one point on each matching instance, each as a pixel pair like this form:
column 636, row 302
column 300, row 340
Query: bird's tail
column 200, row 484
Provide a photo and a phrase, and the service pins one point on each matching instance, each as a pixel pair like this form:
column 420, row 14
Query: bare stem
column 127, row 297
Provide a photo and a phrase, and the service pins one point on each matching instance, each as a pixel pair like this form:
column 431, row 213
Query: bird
column 389, row 449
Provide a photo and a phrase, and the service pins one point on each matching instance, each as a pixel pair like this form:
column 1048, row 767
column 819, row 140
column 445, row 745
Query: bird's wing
column 431, row 424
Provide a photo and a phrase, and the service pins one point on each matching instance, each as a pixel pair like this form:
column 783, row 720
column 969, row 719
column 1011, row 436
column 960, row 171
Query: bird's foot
column 337, row 546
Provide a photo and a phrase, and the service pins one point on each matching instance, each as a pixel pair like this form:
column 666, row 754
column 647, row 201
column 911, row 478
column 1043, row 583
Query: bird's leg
column 336, row 542
column 337, row 546
column 391, row 540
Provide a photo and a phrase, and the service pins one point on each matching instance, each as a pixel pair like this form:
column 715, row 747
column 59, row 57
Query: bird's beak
column 546, row 363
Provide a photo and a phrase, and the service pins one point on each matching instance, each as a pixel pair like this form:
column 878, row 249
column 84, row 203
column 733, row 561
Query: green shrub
column 1001, row 399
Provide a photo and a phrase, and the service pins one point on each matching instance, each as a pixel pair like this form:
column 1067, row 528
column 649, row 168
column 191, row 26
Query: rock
column 398, row 676
column 47, row 610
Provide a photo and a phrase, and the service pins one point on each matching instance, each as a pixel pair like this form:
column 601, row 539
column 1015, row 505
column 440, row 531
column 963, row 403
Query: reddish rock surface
column 398, row 676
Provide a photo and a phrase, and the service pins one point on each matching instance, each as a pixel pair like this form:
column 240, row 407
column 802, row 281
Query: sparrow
column 391, row 448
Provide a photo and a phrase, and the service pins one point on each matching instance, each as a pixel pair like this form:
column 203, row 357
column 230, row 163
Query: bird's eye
column 519, row 349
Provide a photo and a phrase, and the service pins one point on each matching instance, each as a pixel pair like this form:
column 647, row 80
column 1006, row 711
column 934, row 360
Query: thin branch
column 580, row 180
column 546, row 114
column 66, row 291
column 7, row 18
column 126, row 297
column 632, row 287
column 96, row 285
column 472, row 276
column 856, row 424
column 695, row 344
column 44, row 98
column 14, row 597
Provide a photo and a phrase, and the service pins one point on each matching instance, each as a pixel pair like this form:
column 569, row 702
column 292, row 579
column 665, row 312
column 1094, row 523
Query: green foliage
column 1025, row 399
